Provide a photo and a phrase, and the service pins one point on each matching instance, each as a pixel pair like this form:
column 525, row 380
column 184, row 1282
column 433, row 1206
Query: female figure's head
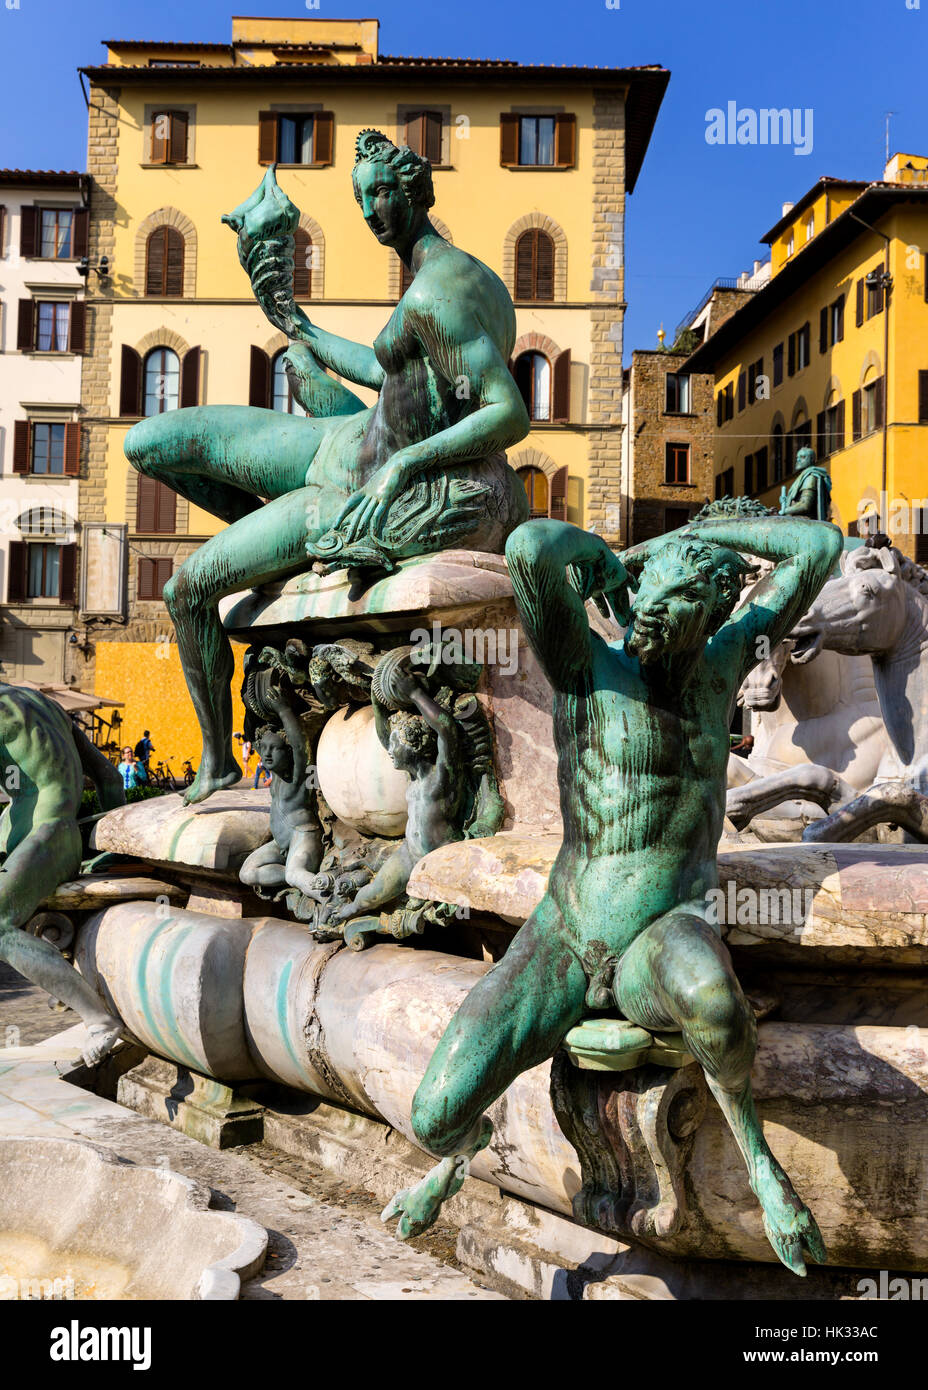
column 393, row 187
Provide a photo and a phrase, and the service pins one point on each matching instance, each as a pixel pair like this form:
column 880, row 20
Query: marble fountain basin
column 76, row 1221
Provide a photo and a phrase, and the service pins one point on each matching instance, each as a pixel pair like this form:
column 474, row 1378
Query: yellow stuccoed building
column 832, row 353
column 531, row 168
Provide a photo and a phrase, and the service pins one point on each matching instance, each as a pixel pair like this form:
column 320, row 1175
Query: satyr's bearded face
column 672, row 609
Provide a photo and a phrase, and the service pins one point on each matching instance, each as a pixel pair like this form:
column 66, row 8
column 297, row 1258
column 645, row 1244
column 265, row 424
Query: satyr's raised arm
column 551, row 601
column 805, row 553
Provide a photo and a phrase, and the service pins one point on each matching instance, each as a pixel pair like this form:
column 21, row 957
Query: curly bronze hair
column 413, row 172
column 412, row 730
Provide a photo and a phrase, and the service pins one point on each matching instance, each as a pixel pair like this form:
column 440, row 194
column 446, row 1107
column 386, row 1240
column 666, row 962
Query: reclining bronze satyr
column 641, row 732
column 44, row 758
column 423, row 469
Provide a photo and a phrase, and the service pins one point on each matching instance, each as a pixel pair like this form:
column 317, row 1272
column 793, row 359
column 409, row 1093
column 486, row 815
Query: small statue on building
column 809, row 494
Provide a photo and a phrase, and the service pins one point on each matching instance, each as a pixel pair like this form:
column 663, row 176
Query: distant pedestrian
column 261, row 771
column 131, row 770
column 247, row 755
column 143, row 751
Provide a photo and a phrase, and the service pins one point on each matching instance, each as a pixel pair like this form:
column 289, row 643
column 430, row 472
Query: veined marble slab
column 217, row 834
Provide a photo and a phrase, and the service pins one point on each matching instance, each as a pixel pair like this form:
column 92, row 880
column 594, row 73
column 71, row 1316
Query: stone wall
column 651, row 429
column 606, row 323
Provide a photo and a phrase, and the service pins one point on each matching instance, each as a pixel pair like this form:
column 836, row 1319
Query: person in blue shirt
column 131, row 770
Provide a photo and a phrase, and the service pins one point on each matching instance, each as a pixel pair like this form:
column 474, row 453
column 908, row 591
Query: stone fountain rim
column 220, row 1280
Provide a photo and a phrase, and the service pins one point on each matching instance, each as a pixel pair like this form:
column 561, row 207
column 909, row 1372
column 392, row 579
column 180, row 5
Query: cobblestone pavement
column 25, row 1008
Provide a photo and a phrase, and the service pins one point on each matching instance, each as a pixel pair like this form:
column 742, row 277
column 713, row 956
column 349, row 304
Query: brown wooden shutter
column 190, row 378
column 259, row 379
column 177, row 149
column 823, row 329
column 72, row 449
column 860, row 302
column 432, row 136
column 820, row 433
column 561, row 395
column 22, row 446
column 879, row 402
column 557, row 495
column 791, row 355
column 855, row 414
column 80, row 233
column 302, row 253
column 839, row 327
column 166, row 502
column 67, row 574
column 145, row 588
column 565, row 140
column 525, row 266
column 173, row 263
column 146, row 504
column 508, row 139
column 267, row 137
column 878, row 298
column 544, row 266
column 742, row 389
column 77, row 327
column 130, row 382
column 16, row 574
column 28, row 231
column 323, row 137
column 25, row 327
column 840, row 426
column 923, row 398
column 160, row 136
column 154, row 262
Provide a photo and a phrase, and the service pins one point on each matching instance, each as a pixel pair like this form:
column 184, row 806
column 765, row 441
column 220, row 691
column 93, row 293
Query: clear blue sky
column 699, row 209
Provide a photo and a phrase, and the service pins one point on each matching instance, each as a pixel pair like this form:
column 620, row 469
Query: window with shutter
column 25, row 327
column 72, row 450
column 259, row 379
column 153, row 574
column 164, row 263
column 557, row 506
column 561, row 402
column 565, row 141
column 190, row 378
column 536, row 490
column 22, row 442
column 169, row 132
column 423, row 134
column 791, row 355
column 28, row 231
column 267, row 137
column 840, row 433
column 778, row 365
column 923, row 398
column 156, row 507
column 879, row 403
column 130, row 382
column 16, row 573
column 77, row 338
column 535, row 266
column 856, row 415
column 508, row 139
column 67, row 573
column 823, row 330
column 860, row 302
column 302, row 264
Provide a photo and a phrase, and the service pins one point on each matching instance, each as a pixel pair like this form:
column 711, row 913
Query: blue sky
column 699, row 209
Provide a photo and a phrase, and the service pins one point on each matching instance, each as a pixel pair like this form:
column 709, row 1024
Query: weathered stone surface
column 846, row 1109
column 96, row 890
column 158, row 1238
column 450, row 583
column 863, row 904
column 217, row 834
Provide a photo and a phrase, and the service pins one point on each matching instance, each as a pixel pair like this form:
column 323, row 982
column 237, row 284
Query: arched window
column 535, row 266
column 282, row 397
column 302, row 264
column 161, row 381
column 536, row 490
column 533, row 378
column 164, row 263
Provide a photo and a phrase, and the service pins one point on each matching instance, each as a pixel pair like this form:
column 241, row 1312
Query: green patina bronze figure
column 423, row 469
column 641, row 730
column 809, row 494
column 44, row 759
